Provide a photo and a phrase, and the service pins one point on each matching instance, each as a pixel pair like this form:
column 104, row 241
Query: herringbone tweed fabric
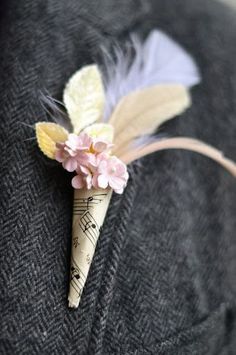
column 163, row 277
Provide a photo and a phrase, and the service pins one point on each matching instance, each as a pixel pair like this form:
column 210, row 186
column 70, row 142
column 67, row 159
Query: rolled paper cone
column 90, row 207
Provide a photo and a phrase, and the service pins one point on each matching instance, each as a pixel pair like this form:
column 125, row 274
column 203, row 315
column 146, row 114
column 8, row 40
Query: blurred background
column 230, row 2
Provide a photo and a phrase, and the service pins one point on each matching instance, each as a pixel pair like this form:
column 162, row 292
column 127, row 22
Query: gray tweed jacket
column 163, row 280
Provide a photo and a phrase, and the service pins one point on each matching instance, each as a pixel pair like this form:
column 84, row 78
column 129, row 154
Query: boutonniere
column 114, row 118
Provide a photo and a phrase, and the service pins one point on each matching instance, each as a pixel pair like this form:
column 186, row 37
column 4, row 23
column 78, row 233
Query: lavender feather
column 158, row 60
column 54, row 110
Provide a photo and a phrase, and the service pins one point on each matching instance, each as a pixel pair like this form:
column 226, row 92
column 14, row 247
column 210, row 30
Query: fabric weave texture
column 163, row 279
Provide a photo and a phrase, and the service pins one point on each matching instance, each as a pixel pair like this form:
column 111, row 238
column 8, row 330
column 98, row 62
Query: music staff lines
column 82, row 205
column 78, row 291
column 76, row 284
column 76, row 267
column 89, row 227
column 77, row 278
column 76, row 287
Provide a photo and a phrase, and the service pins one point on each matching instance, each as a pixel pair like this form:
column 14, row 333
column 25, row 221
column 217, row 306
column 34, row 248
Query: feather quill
column 184, row 143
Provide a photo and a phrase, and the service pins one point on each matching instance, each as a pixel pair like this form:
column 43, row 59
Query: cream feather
column 142, row 112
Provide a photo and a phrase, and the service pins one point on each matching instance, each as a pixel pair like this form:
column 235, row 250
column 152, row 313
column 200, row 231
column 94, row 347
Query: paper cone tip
column 90, row 207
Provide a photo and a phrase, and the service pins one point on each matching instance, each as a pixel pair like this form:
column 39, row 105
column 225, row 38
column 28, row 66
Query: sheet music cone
column 90, row 207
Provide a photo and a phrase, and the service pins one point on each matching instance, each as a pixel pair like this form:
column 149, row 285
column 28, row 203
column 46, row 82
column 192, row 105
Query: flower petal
column 119, row 191
column 70, row 164
column 59, row 156
column 116, row 183
column 77, row 182
column 102, row 181
column 88, row 181
column 100, row 146
column 84, row 170
column 103, row 166
column 95, row 181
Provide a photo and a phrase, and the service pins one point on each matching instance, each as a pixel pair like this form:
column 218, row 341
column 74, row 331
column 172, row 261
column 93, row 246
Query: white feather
column 158, row 60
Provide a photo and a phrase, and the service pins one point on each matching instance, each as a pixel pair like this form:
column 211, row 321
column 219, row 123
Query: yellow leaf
column 142, row 112
column 100, row 130
column 84, row 97
column 48, row 134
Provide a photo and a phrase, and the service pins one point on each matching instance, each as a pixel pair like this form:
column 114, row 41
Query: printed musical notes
column 89, row 227
column 75, row 241
column 82, row 205
column 90, row 208
column 77, row 278
column 88, row 259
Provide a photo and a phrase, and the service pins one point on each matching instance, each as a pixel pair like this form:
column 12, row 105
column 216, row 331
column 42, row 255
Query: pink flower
column 76, row 143
column 85, row 171
column 82, row 179
column 62, row 156
column 91, row 160
column 72, row 153
column 110, row 172
column 101, row 145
